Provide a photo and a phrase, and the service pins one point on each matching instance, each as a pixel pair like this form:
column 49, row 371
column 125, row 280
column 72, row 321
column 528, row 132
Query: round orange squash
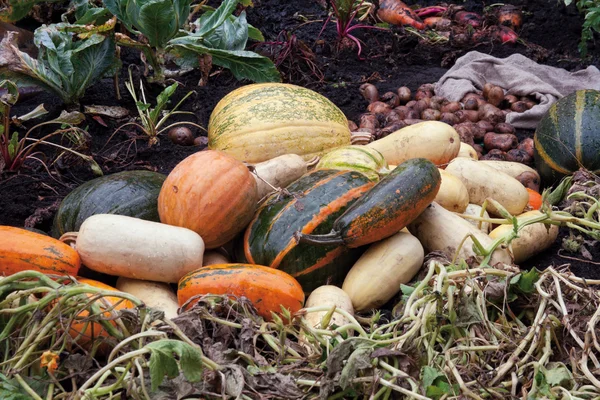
column 267, row 288
column 210, row 193
column 22, row 250
column 93, row 330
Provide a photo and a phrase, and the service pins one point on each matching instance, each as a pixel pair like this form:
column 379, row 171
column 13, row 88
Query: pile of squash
column 255, row 216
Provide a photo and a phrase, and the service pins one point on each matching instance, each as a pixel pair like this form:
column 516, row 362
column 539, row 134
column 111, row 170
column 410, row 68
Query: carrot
column 432, row 11
column 535, row 199
column 439, row 23
column 468, row 18
column 395, row 12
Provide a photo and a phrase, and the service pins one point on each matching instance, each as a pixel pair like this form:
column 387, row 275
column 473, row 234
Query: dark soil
column 394, row 58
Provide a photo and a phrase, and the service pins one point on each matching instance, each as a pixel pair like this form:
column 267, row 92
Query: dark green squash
column 130, row 193
column 316, row 201
column 394, row 202
column 568, row 137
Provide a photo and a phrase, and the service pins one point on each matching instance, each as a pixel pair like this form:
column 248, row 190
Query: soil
column 389, row 59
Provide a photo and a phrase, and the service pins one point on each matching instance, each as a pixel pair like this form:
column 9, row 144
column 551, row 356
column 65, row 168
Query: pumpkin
column 262, row 121
column 22, row 250
column 365, row 160
column 267, row 288
column 85, row 332
column 314, row 202
column 131, row 193
column 386, row 208
column 211, row 193
column 568, row 137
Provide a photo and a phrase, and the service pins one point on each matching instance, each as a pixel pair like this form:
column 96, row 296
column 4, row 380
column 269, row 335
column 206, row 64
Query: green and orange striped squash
column 365, row 160
column 568, row 137
column 267, row 288
column 22, row 250
column 259, row 122
column 316, row 201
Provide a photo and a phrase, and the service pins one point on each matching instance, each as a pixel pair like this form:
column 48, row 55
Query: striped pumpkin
column 259, row 122
column 365, row 160
column 568, row 137
column 317, row 200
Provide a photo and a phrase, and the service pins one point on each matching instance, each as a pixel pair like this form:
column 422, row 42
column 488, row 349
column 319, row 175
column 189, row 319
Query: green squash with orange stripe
column 365, row 160
column 568, row 137
column 314, row 202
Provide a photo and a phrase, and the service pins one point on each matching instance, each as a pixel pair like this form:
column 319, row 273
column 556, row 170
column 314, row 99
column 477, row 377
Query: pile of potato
column 479, row 118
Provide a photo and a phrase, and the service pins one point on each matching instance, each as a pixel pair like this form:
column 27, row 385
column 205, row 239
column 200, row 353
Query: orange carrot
column 535, row 199
column 395, row 12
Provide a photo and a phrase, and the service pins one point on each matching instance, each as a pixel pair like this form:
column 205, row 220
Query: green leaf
column 232, row 34
column 243, row 64
column 163, row 363
column 209, row 22
column 435, row 383
column 429, row 375
column 142, row 106
column 13, row 145
column 157, row 21
column 14, row 10
column 10, row 389
column 255, row 34
column 11, row 96
column 161, row 101
column 525, row 281
column 557, row 374
column 360, row 359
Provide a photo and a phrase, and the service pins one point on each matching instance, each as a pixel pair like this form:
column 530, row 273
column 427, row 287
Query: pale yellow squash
column 259, row 122
column 466, row 150
column 328, row 296
column 156, row 295
column 453, row 194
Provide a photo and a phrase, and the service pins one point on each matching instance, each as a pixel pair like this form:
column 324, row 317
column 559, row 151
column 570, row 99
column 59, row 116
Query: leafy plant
column 591, row 24
column 345, row 12
column 152, row 119
column 14, row 10
column 71, row 58
column 14, row 151
column 217, row 35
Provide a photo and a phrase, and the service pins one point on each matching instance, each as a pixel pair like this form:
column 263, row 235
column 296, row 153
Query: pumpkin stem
column 69, row 238
column 333, row 237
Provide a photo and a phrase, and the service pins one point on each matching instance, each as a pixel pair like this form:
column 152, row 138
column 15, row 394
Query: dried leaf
column 359, row 360
column 234, row 380
column 115, row 112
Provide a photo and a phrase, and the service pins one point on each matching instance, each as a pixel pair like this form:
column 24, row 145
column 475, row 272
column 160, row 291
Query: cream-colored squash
column 453, row 194
column 328, row 296
column 157, row 295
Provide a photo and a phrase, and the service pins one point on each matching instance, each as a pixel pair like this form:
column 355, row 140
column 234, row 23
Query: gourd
column 134, row 248
column 363, row 159
column 567, row 138
column 453, row 194
column 268, row 289
column 278, row 172
column 212, row 194
column 131, row 193
column 385, row 209
column 259, row 122
column 328, row 296
column 156, row 295
column 377, row 275
column 22, row 250
column 312, row 204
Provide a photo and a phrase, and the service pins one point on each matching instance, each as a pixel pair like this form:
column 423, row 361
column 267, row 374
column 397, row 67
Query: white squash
column 377, row 275
column 475, row 210
column 157, row 295
column 329, row 296
column 466, row 150
column 453, row 194
column 134, row 248
column 279, row 172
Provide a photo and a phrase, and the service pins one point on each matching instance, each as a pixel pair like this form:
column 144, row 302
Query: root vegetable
column 478, row 148
column 476, row 211
column 430, row 114
column 489, row 112
column 378, row 107
column 530, row 180
column 369, row 92
column 472, row 95
column 467, row 115
column 449, row 118
column 397, row 13
column 495, row 95
column 530, row 104
column 201, row 141
column 510, row 16
column 352, row 125
column 465, row 133
column 453, row 194
column 421, row 105
column 402, row 111
column 535, row 199
column 500, row 141
column 421, row 94
column 441, row 230
column 485, row 126
column 494, row 154
column 509, row 99
column 504, row 127
column 391, row 99
column 181, row 135
column 427, row 87
column 438, row 23
column 486, row 89
column 391, row 128
column 451, row 107
column 527, row 145
column 520, row 156
column 532, row 240
column 471, row 104
column 513, row 169
column 519, row 107
column 411, row 103
column 506, row 35
column 483, row 181
column 392, row 117
column 468, row 18
column 213, row 257
column 412, row 121
column 404, row 94
column 412, row 114
column 369, row 121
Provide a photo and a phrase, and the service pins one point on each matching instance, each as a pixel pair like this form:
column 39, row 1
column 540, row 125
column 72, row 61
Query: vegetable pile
column 309, row 268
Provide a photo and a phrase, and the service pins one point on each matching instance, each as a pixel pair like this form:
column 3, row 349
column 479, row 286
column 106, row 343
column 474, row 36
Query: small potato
column 494, row 154
column 471, row 104
column 520, row 156
column 478, row 132
column 421, row 105
column 352, row 125
column 430, row 114
column 532, row 240
column 393, row 127
column 527, row 145
column 519, row 107
column 412, row 121
column 451, row 107
column 438, row 101
column 486, row 126
column 213, row 257
column 157, row 295
column 467, row 151
column 530, row 104
column 391, row 99
column 472, row 95
column 391, row 117
column 404, row 94
column 467, row 115
column 369, row 121
column 421, row 94
column 530, row 180
column 465, row 132
column 369, row 92
column 486, row 89
column 413, row 114
column 428, row 87
column 509, row 99
column 478, row 148
column 411, row 103
column 500, row 141
column 491, row 113
column 495, row 96
column 504, row 127
column 449, row 118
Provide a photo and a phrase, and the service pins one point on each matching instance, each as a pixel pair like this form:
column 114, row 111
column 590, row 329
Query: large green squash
column 130, row 193
column 568, row 137
column 316, row 201
column 259, row 122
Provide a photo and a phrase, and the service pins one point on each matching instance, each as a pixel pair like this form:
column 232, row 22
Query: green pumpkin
column 365, row 160
column 568, row 137
column 130, row 193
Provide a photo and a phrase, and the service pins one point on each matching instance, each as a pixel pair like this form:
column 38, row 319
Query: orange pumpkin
column 93, row 330
column 535, row 199
column 267, row 288
column 210, row 193
column 22, row 250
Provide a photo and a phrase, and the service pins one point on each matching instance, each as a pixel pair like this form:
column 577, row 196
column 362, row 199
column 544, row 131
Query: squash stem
column 320, row 240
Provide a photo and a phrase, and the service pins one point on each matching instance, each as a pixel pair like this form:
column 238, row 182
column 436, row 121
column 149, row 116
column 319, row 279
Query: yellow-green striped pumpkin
column 365, row 160
column 259, row 122
column 568, row 137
